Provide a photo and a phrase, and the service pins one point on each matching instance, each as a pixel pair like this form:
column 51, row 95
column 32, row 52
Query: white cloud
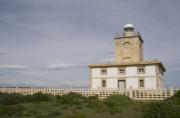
column 63, row 66
column 58, row 66
column 13, row 67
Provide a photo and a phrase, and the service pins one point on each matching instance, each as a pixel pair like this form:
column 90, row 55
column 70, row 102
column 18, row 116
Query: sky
column 51, row 42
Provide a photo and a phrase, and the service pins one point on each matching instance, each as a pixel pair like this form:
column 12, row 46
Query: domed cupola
column 129, row 30
column 128, row 27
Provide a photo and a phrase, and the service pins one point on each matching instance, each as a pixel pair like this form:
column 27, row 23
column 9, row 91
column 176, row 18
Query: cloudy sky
column 51, row 42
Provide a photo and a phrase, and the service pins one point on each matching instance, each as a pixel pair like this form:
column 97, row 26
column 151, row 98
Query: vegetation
column 169, row 108
column 14, row 98
column 74, row 105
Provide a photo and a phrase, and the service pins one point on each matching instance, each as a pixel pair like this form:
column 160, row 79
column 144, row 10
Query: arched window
column 126, row 44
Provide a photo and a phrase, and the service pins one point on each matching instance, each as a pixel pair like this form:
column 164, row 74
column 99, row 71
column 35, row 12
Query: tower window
column 141, row 70
column 126, row 44
column 103, row 72
column 103, row 83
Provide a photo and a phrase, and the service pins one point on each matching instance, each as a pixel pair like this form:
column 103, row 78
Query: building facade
column 129, row 70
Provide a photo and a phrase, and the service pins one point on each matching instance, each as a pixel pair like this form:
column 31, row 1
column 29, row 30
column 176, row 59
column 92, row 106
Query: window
column 103, row 71
column 103, row 83
column 121, row 84
column 141, row 83
column 121, row 71
column 141, row 70
column 126, row 44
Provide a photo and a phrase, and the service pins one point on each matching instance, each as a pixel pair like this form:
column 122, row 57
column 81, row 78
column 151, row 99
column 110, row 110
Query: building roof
column 141, row 63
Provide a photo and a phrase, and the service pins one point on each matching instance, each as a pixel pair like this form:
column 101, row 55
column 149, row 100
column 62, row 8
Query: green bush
column 5, row 110
column 41, row 116
column 64, row 107
column 169, row 108
column 11, row 99
column 79, row 115
column 11, row 110
column 54, row 113
column 78, row 107
column 38, row 97
column 114, row 110
column 96, row 104
column 76, row 115
column 27, row 113
column 58, row 99
column 175, row 99
column 73, row 99
column 117, row 100
column 15, row 98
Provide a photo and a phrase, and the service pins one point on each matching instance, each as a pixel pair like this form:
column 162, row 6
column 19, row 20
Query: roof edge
column 127, row 64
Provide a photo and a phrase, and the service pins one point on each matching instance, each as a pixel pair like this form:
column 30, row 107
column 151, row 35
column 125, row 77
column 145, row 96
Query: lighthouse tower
column 129, row 47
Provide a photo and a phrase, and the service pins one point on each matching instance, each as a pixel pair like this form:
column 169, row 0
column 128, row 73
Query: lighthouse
column 129, row 70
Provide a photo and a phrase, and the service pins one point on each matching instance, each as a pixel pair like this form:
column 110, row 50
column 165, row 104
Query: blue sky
column 51, row 42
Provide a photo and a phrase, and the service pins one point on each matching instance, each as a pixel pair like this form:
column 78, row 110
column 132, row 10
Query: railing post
column 131, row 92
column 3, row 89
column 171, row 91
column 30, row 90
column 16, row 90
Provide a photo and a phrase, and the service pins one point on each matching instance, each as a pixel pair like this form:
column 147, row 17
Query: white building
column 130, row 70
